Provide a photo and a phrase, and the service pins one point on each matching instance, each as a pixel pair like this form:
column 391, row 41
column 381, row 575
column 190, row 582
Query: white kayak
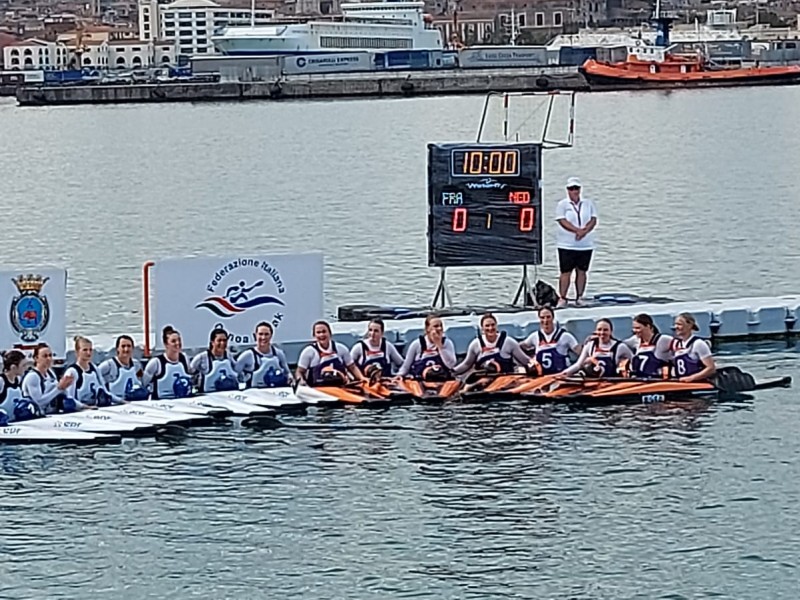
column 93, row 422
column 213, row 404
column 186, row 406
column 233, row 402
column 316, row 397
column 22, row 433
column 151, row 414
column 279, row 399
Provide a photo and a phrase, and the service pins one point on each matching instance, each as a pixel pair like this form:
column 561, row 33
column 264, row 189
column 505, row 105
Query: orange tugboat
column 654, row 66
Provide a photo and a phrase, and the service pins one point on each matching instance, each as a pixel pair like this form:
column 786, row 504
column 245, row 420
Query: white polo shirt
column 579, row 214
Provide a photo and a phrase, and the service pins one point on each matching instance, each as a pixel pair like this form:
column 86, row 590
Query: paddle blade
column 262, row 422
column 732, row 380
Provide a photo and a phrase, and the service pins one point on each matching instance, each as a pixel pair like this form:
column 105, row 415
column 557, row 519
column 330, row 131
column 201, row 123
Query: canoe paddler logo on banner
column 30, row 311
column 241, row 286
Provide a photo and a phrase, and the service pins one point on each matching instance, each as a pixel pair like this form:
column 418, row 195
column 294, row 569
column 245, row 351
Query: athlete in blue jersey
column 10, row 385
column 492, row 351
column 376, row 354
column 431, row 356
column 264, row 365
column 326, row 362
column 216, row 367
column 122, row 373
column 652, row 350
column 41, row 386
column 602, row 355
column 550, row 345
column 169, row 374
column 87, row 388
column 693, row 360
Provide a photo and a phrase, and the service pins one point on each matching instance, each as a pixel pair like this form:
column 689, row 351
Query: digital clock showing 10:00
column 469, row 162
column 484, row 204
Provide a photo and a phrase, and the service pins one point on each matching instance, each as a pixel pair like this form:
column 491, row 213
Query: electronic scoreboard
column 484, row 204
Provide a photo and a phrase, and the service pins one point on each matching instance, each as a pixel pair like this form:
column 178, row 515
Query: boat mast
column 252, row 13
column 663, row 25
column 513, row 26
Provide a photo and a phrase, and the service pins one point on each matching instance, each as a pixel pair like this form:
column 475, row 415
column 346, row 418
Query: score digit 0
column 460, row 220
column 527, row 218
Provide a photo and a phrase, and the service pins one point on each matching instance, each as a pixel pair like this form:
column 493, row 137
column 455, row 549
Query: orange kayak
column 433, row 392
column 728, row 381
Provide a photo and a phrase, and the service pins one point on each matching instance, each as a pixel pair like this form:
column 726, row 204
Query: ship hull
column 602, row 76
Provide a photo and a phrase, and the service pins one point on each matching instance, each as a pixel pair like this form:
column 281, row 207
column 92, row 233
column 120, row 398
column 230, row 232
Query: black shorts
column 569, row 260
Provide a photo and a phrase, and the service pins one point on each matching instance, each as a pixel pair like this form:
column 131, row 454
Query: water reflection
column 459, row 501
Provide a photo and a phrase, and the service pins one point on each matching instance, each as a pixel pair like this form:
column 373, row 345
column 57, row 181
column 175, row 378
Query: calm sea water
column 499, row 501
column 697, row 192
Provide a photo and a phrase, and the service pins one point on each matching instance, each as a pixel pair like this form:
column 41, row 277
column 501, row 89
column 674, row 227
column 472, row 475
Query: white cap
column 573, row 182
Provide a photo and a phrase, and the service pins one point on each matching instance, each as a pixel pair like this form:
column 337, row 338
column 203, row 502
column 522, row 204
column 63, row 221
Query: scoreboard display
column 484, row 204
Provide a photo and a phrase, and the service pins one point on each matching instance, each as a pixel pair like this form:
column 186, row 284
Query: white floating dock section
column 734, row 319
column 737, row 319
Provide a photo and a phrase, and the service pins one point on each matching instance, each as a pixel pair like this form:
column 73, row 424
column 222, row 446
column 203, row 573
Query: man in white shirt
column 576, row 219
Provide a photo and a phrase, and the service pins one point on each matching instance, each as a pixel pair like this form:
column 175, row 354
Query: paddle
column 480, row 374
column 178, row 433
column 732, row 380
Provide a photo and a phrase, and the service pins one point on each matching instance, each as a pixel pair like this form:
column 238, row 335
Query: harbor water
column 697, row 193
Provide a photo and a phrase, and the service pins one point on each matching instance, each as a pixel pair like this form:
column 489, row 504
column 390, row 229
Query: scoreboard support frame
column 524, row 291
column 524, row 296
column 442, row 299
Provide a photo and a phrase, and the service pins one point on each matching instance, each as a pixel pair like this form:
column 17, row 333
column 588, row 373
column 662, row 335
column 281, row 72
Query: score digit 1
column 527, row 218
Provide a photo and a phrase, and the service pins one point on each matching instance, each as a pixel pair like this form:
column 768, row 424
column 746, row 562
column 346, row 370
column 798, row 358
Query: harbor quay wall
column 397, row 83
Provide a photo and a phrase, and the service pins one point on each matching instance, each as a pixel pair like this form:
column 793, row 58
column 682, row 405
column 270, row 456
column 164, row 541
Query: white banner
column 196, row 294
column 34, row 309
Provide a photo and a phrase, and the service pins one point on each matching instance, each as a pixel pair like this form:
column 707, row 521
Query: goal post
column 546, row 118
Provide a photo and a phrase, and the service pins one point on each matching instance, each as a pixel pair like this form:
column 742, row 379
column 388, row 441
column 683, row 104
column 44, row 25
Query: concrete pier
column 340, row 85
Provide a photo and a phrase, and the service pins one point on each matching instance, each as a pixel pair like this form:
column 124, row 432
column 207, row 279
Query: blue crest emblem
column 182, row 386
column 226, row 383
column 30, row 311
column 275, row 378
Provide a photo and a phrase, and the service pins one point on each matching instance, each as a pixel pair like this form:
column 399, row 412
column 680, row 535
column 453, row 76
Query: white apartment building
column 35, row 54
column 189, row 24
column 127, row 54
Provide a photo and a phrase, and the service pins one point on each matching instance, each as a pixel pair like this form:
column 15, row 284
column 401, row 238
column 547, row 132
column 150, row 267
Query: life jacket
column 429, row 366
column 490, row 357
column 372, row 360
column 604, row 361
column 221, row 376
column 645, row 363
column 11, row 394
column 331, row 370
column 267, row 371
column 128, row 385
column 89, row 388
column 173, row 380
column 27, row 408
column 685, row 365
column 548, row 359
